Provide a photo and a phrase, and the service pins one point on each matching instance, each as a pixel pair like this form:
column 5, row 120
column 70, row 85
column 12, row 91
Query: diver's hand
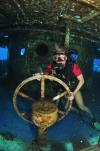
column 38, row 75
column 70, row 96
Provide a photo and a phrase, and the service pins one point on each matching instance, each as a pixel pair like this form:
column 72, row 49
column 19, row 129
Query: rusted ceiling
column 81, row 16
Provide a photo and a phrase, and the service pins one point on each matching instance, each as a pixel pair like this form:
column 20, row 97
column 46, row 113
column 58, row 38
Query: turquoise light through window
column 3, row 53
column 22, row 51
column 96, row 64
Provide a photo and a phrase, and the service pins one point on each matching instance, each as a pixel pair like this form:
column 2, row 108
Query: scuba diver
column 65, row 68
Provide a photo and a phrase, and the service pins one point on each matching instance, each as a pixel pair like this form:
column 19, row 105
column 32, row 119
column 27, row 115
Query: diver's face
column 60, row 58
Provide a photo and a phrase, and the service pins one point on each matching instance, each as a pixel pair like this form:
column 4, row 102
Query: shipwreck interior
column 29, row 31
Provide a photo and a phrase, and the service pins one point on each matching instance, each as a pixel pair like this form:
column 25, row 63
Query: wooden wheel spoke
column 25, row 96
column 59, row 96
column 42, row 87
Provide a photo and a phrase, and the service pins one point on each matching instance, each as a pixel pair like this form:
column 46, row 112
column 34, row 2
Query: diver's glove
column 70, row 96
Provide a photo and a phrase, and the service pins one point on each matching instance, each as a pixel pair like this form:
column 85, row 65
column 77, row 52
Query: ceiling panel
column 81, row 15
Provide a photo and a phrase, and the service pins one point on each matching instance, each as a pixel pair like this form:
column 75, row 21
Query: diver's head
column 60, row 58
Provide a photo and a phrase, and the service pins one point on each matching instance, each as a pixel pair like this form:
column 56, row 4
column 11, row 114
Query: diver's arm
column 80, row 83
column 48, row 70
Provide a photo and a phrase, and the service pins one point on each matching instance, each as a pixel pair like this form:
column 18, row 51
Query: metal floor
column 72, row 132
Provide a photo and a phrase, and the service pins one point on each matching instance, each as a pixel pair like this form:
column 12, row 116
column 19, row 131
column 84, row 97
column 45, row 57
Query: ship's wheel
column 44, row 107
